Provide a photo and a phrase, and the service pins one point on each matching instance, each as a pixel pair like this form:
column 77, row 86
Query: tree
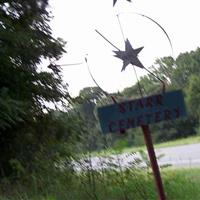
column 193, row 95
column 25, row 90
column 88, row 98
column 186, row 64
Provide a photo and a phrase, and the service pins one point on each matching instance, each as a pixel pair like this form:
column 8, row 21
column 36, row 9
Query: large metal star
column 114, row 2
column 129, row 56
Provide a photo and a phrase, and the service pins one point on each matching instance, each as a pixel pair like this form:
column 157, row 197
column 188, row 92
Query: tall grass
column 115, row 183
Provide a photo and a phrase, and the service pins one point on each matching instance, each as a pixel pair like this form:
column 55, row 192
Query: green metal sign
column 144, row 111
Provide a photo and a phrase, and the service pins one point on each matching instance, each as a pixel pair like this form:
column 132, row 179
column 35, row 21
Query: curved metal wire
column 155, row 22
column 105, row 93
column 61, row 65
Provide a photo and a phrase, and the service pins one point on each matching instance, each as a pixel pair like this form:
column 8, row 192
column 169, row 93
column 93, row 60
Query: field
column 117, row 184
column 179, row 184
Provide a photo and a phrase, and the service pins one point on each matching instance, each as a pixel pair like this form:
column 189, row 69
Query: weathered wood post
column 153, row 161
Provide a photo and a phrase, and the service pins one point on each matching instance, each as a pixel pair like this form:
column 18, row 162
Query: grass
column 182, row 184
column 117, row 184
column 179, row 184
column 178, row 142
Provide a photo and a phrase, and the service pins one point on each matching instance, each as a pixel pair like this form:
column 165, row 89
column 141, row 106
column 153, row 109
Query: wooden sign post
column 141, row 112
column 153, row 161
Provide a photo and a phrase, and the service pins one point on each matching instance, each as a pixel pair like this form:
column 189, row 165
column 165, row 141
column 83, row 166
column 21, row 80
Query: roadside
column 178, row 156
column 173, row 143
column 187, row 155
column 178, row 153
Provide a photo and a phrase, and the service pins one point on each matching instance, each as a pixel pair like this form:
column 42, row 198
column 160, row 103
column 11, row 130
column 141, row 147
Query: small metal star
column 129, row 56
column 114, row 2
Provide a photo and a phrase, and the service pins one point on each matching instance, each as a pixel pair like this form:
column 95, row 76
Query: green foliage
column 12, row 111
column 128, row 184
column 193, row 95
column 186, row 65
column 27, row 128
column 25, row 39
column 85, row 106
column 131, row 92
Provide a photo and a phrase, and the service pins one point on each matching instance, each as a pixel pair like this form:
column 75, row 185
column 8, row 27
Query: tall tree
column 186, row 64
column 25, row 41
column 193, row 95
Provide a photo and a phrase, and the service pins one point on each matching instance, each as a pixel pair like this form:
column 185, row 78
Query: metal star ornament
column 114, row 2
column 129, row 56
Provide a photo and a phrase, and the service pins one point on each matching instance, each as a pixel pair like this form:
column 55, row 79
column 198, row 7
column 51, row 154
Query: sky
column 76, row 21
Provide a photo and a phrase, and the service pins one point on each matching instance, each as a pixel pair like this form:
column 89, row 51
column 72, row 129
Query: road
column 179, row 156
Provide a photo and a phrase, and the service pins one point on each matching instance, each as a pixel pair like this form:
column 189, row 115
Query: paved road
column 185, row 155
column 179, row 156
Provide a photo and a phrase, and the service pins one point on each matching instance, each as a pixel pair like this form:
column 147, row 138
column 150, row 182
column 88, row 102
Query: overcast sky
column 76, row 20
